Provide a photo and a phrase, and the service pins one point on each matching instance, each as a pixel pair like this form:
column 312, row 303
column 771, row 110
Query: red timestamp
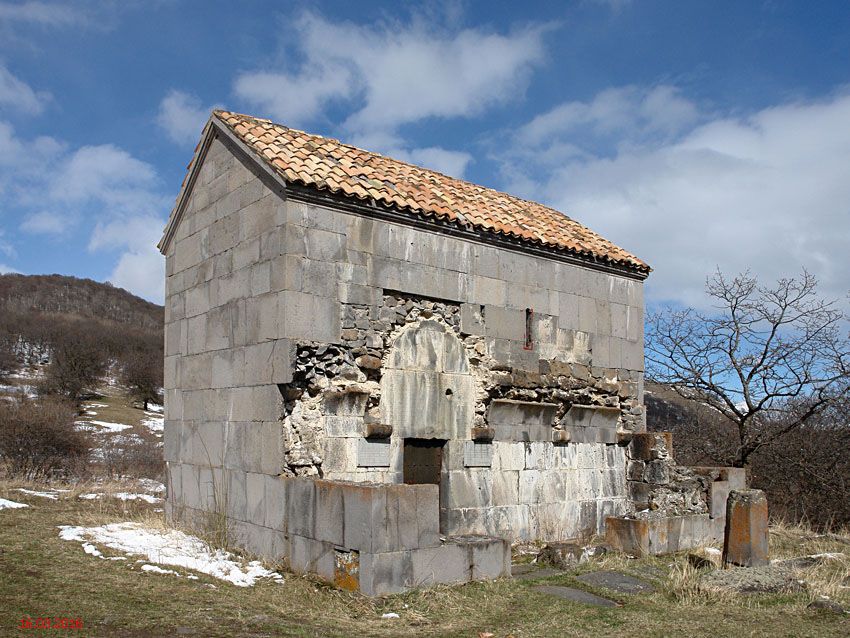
column 50, row 622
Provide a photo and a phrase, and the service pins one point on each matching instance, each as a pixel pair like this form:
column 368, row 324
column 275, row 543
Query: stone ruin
column 389, row 400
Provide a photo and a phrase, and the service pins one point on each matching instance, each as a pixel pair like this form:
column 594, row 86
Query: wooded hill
column 82, row 328
column 63, row 295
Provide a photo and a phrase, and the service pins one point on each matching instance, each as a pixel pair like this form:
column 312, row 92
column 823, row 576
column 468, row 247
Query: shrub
column 131, row 455
column 38, row 439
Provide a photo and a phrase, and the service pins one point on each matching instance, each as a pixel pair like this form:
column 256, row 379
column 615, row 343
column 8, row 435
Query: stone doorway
column 423, row 461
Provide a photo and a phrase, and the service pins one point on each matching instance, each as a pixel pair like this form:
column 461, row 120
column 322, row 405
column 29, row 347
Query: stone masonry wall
column 281, row 318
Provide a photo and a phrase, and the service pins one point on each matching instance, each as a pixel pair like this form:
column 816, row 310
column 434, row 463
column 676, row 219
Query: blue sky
column 695, row 134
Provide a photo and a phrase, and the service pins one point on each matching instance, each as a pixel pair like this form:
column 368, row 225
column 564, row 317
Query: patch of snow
column 171, row 547
column 52, row 495
column 130, row 496
column 152, row 407
column 91, row 413
column 155, row 424
column 124, row 496
column 11, row 505
column 27, row 390
column 829, row 555
column 110, row 427
column 391, row 614
column 28, row 373
column 95, row 405
column 149, row 485
column 159, row 570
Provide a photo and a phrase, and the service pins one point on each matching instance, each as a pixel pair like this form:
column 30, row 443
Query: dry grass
column 41, row 574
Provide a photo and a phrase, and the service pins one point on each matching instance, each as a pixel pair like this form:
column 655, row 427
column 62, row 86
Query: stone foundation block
column 644, row 537
column 491, row 558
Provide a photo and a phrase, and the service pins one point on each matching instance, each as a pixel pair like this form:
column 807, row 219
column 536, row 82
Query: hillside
column 63, row 295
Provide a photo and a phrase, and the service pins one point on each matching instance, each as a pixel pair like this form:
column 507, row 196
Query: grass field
column 44, row 576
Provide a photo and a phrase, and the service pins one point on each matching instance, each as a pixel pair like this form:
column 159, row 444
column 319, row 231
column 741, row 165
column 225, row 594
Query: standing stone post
column 746, row 534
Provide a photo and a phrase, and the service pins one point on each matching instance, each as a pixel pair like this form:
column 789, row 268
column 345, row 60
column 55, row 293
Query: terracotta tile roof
column 328, row 164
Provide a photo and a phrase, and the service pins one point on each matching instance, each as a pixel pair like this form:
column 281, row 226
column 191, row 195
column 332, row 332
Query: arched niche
column 427, row 390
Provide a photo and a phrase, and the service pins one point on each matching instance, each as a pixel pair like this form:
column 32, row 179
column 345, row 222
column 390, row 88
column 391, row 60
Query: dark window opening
column 529, row 340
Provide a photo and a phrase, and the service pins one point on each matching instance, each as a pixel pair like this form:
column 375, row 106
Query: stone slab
column 521, row 420
column 477, row 454
column 575, row 595
column 616, row 581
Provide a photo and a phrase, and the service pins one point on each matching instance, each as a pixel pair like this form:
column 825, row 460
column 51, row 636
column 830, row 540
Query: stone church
column 384, row 375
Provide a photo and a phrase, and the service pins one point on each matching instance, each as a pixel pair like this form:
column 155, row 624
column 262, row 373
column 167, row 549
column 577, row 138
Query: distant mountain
column 70, row 296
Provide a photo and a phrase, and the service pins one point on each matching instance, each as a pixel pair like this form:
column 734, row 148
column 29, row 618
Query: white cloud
column 770, row 192
column 142, row 272
column 140, row 268
column 47, row 223
column 624, row 111
column 295, row 98
column 19, row 95
column 182, row 116
column 56, row 190
column 399, row 72
column 5, row 270
column 108, row 177
column 42, row 13
column 385, row 76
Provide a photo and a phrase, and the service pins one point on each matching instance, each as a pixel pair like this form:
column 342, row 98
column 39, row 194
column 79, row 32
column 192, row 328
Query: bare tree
column 142, row 373
column 8, row 361
column 764, row 352
column 78, row 362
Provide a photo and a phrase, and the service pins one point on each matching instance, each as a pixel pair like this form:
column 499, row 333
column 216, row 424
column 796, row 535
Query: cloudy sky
column 695, row 134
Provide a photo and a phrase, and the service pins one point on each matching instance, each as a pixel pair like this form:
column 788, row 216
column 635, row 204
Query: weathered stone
column 378, row 431
column 824, row 604
column 369, row 362
column 483, row 434
column 706, row 558
column 754, row 580
column 562, row 555
column 745, row 542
